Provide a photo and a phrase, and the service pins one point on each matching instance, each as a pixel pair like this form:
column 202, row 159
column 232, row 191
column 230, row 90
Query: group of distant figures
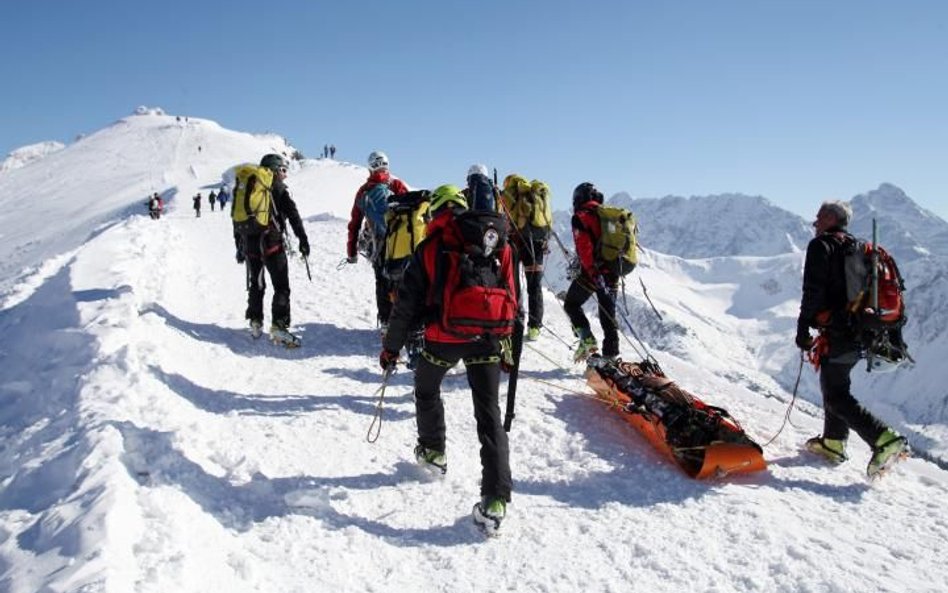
column 220, row 197
column 156, row 205
column 329, row 151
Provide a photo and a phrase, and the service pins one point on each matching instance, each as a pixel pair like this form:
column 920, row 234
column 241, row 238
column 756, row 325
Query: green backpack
column 541, row 211
column 616, row 247
column 253, row 196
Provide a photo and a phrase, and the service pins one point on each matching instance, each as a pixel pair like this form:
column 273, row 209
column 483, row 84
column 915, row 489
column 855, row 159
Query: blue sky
column 796, row 101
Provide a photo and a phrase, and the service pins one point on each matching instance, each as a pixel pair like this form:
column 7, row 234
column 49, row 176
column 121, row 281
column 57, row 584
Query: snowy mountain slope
column 189, row 457
column 51, row 206
column 149, row 444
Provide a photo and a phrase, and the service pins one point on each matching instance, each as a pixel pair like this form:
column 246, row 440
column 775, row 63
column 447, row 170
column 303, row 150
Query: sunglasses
column 282, row 170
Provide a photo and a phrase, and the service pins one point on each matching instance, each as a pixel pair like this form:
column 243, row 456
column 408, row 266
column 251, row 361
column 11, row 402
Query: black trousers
column 383, row 293
column 577, row 295
column 531, row 255
column 484, row 380
column 276, row 266
column 841, row 410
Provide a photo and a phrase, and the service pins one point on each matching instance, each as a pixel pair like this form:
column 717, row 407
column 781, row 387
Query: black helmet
column 274, row 161
column 585, row 192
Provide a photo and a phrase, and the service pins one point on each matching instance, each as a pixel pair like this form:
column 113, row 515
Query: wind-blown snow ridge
column 151, row 445
column 27, row 154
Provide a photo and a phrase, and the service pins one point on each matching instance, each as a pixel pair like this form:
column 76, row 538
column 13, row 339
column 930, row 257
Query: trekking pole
column 874, row 286
column 306, row 262
column 628, row 324
column 517, row 348
column 377, row 417
column 647, row 298
column 566, row 252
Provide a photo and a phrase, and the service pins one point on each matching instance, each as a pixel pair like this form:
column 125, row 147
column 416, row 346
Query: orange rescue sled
column 703, row 440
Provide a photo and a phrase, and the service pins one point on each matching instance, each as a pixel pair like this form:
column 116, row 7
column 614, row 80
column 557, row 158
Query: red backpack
column 473, row 282
column 889, row 312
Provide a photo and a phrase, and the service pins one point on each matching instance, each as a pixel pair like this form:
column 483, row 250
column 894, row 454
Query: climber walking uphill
column 370, row 205
column 825, row 306
column 155, row 206
column 262, row 207
column 460, row 286
column 605, row 247
column 527, row 206
column 480, row 193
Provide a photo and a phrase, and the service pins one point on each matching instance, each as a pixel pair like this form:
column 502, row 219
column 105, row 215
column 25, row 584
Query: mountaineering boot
column 279, row 334
column 256, row 328
column 489, row 513
column 587, row 347
column 432, row 459
column 889, row 448
column 533, row 333
column 833, row 450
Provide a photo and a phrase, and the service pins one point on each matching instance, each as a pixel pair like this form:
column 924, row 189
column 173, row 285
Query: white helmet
column 378, row 160
column 478, row 169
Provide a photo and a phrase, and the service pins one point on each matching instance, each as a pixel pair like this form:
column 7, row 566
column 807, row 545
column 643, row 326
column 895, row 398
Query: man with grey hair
column 824, row 306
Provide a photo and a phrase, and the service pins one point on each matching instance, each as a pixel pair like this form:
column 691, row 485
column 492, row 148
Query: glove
column 352, row 259
column 387, row 359
column 804, row 340
column 240, row 257
column 304, row 246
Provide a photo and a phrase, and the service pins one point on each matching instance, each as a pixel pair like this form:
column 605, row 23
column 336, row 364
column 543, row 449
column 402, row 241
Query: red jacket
column 586, row 234
column 356, row 216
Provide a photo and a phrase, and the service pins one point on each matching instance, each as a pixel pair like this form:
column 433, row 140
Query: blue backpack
column 375, row 205
column 480, row 193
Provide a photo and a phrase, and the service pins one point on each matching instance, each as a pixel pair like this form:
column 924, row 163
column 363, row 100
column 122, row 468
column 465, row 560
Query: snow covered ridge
column 27, row 154
column 150, row 445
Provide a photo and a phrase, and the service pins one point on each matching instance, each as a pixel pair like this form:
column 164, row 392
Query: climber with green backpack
column 261, row 208
column 605, row 247
column 526, row 204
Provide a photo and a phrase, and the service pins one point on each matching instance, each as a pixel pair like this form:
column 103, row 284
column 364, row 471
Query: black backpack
column 481, row 193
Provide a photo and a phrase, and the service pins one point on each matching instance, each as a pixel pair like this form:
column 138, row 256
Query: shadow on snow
column 224, row 402
column 152, row 460
column 319, row 339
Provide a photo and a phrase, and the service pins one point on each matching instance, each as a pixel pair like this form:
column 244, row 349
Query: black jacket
column 824, row 281
column 283, row 210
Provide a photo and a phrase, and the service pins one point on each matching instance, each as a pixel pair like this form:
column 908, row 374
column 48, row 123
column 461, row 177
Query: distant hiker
column 480, row 191
column 259, row 238
column 451, row 286
column 222, row 198
column 332, row 151
column 600, row 267
column 211, row 198
column 197, row 205
column 325, row 151
column 371, row 205
column 528, row 208
column 155, row 206
column 824, row 306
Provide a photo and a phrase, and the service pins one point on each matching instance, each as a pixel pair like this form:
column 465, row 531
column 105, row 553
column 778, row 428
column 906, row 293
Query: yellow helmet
column 446, row 194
